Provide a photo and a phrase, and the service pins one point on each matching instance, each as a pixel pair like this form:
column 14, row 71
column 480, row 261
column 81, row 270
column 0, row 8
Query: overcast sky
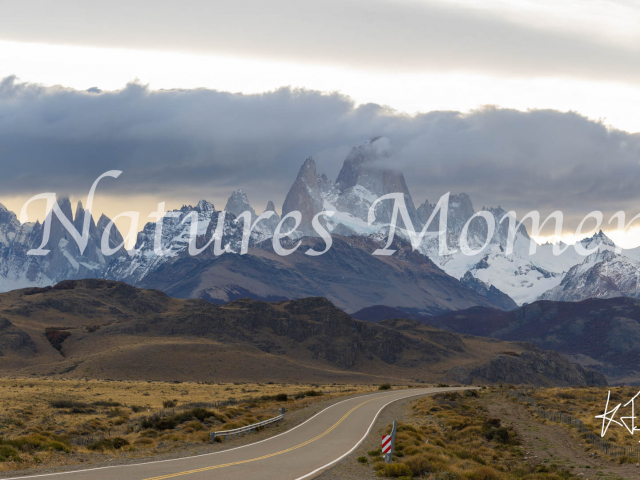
column 564, row 78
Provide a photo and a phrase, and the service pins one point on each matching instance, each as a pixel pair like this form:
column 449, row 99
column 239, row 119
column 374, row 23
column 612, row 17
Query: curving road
column 301, row 452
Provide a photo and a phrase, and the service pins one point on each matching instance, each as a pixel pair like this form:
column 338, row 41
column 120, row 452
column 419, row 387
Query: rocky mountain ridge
column 603, row 274
column 603, row 334
column 112, row 329
column 367, row 174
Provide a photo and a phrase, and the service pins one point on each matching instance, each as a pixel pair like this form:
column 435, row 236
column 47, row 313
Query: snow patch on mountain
column 603, row 274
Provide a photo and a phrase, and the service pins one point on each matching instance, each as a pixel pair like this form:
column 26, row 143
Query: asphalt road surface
column 302, row 452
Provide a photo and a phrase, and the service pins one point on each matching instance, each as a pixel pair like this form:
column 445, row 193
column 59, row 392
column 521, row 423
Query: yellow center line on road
column 205, row 469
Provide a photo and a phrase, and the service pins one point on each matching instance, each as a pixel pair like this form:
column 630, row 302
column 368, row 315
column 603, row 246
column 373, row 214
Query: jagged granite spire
column 78, row 220
column 272, row 222
column 305, row 195
column 367, row 173
column 238, row 203
column 115, row 237
column 271, row 207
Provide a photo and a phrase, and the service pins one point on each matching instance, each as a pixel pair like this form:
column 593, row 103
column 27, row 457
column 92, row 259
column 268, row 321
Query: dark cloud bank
column 191, row 143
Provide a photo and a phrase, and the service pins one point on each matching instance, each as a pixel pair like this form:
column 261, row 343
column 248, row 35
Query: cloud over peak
column 191, row 143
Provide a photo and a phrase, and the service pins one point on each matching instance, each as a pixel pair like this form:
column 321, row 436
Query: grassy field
column 488, row 435
column 586, row 403
column 451, row 436
column 49, row 422
column 52, row 422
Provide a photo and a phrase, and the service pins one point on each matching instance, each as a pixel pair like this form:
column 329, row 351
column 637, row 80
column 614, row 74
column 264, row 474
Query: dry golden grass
column 41, row 420
column 451, row 436
column 586, row 403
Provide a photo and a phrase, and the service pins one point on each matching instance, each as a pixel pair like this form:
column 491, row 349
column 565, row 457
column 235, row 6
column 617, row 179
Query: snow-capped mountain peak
column 238, row 203
column 603, row 274
column 367, row 173
column 596, row 240
column 205, row 206
column 305, row 196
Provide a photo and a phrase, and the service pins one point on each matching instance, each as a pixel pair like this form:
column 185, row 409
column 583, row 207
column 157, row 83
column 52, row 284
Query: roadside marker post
column 388, row 443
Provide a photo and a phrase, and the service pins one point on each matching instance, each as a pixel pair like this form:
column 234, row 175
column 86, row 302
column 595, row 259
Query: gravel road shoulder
column 348, row 468
column 546, row 443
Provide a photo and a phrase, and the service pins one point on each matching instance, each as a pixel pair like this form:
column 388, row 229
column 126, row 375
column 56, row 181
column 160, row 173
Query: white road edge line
column 69, row 472
column 317, row 470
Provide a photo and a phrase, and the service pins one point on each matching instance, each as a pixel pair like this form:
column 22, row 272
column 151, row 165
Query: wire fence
column 604, row 446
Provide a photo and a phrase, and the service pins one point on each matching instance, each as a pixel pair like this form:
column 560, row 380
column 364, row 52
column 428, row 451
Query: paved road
column 301, row 452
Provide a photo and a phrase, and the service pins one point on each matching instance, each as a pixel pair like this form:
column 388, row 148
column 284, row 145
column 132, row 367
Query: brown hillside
column 603, row 334
column 106, row 329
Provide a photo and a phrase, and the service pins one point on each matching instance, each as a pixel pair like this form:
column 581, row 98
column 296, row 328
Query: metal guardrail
column 249, row 428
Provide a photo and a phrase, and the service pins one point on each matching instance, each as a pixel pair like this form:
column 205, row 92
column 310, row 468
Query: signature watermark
column 609, row 416
column 289, row 224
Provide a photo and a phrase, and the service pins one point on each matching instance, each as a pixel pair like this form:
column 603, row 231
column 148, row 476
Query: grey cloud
column 193, row 144
column 378, row 34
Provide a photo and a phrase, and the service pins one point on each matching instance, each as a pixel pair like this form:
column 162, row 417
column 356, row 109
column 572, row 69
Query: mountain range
column 421, row 281
column 602, row 334
column 105, row 329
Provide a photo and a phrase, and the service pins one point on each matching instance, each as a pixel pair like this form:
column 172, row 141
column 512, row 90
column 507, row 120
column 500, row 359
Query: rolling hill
column 603, row 334
column 107, row 329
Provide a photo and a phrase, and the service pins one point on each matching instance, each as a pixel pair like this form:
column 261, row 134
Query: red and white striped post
column 388, row 442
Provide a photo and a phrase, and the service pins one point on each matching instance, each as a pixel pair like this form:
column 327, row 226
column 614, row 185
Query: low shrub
column 114, row 412
column 395, row 470
column 8, row 453
column 313, row 393
column 169, row 422
column 385, row 386
column 555, row 472
column 308, row 393
column 106, row 403
column 66, row 403
column 627, row 459
column 109, row 444
column 159, row 423
column 280, row 397
column 502, row 435
column 485, row 473
column 465, row 455
column 195, row 425
column 143, row 441
column 493, row 422
column 566, row 395
column 418, row 464
column 200, row 414
column 36, row 442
